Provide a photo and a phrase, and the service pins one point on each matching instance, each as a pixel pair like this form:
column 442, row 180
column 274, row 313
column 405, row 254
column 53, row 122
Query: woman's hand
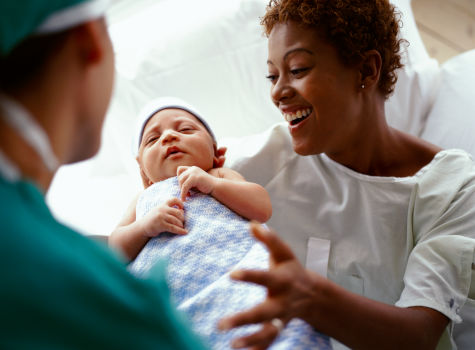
column 168, row 217
column 292, row 292
column 193, row 177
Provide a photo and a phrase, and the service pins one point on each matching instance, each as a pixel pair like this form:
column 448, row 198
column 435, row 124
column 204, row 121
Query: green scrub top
column 61, row 290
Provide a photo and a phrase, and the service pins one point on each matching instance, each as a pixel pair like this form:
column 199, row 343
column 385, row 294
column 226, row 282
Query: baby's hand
column 193, row 177
column 168, row 217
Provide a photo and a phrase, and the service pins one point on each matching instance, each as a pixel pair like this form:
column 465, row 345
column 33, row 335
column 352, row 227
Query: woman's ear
column 370, row 69
column 219, row 158
column 145, row 180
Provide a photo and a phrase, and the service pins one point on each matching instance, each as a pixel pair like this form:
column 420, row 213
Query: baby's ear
column 145, row 180
column 219, row 158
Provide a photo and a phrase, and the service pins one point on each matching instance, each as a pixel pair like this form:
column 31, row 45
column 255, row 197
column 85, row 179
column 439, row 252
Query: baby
column 173, row 139
column 195, row 214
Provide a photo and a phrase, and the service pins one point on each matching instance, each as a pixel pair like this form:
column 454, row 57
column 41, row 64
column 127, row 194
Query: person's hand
column 168, row 217
column 291, row 293
column 193, row 177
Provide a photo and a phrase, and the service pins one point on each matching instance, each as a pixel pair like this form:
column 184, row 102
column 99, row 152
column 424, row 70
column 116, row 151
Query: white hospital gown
column 403, row 241
column 199, row 263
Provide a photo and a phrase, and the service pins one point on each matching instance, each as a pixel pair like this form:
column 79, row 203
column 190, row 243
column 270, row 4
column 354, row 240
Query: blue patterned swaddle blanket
column 199, row 263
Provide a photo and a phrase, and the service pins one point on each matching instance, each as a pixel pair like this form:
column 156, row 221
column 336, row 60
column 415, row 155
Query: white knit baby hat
column 158, row 104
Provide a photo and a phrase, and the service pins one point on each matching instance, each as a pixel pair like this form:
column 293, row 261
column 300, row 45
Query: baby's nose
column 169, row 135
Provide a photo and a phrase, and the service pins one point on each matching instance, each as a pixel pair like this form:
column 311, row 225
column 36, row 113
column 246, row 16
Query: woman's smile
column 299, row 123
column 297, row 117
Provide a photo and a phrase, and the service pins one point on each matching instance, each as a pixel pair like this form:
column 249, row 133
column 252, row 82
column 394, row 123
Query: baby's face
column 172, row 138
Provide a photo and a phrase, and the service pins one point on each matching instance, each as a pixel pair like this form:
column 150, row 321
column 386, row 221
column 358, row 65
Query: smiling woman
column 384, row 200
column 309, row 74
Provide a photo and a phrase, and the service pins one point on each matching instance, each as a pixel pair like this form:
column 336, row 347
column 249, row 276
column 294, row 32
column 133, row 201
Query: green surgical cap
column 21, row 18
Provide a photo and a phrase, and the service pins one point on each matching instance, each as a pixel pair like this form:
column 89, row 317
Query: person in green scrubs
column 59, row 289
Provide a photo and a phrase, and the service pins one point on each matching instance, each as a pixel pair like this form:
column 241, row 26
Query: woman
column 60, row 289
column 396, row 212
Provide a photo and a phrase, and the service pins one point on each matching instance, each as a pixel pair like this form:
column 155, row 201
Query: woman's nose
column 281, row 90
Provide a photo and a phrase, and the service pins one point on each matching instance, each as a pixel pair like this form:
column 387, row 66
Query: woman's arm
column 248, row 199
column 358, row 322
column 131, row 235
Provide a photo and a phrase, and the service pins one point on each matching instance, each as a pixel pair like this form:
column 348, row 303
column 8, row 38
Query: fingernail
column 236, row 274
column 224, row 325
column 260, row 230
column 265, row 228
column 238, row 343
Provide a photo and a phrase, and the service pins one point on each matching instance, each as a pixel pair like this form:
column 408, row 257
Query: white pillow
column 416, row 86
column 451, row 122
column 210, row 53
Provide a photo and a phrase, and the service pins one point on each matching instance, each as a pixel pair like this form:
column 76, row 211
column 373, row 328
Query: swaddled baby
column 195, row 214
column 174, row 141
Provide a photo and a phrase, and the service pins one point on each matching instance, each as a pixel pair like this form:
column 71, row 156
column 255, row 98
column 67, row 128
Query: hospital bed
column 212, row 53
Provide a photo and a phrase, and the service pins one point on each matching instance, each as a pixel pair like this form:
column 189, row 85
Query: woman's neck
column 377, row 149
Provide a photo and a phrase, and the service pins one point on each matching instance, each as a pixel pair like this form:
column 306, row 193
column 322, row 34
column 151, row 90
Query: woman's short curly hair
column 352, row 26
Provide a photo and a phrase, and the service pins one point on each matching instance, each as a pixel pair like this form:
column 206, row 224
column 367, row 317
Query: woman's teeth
column 294, row 118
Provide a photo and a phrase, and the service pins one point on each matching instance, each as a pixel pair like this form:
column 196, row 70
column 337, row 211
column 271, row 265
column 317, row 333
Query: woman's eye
column 298, row 71
column 186, row 129
column 271, row 77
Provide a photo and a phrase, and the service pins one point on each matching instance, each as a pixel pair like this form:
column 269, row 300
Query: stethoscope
column 16, row 116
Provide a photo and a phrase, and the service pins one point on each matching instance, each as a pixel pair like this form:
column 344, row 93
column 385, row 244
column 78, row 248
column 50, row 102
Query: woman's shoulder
column 449, row 162
column 449, row 171
column 445, row 189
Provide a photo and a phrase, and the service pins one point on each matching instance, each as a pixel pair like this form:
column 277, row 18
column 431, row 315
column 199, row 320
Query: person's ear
column 89, row 41
column 145, row 179
column 370, row 69
column 219, row 158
